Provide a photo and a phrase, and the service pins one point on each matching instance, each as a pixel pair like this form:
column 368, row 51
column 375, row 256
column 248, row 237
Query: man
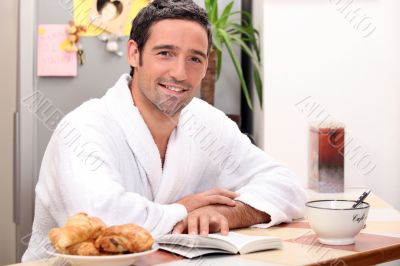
column 149, row 153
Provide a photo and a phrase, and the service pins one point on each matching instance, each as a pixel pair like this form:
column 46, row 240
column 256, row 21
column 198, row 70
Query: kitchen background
column 342, row 57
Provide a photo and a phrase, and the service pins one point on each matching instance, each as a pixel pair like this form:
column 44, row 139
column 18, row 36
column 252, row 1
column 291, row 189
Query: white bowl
column 335, row 221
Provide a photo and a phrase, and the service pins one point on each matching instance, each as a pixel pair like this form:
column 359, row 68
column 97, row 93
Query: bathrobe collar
column 120, row 104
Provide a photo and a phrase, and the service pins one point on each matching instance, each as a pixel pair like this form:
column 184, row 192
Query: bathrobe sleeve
column 262, row 182
column 80, row 172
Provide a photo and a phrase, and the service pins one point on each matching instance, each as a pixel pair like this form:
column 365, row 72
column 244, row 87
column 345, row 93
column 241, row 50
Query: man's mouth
column 173, row 87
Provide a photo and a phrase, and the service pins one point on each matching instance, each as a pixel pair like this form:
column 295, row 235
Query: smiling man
column 149, row 152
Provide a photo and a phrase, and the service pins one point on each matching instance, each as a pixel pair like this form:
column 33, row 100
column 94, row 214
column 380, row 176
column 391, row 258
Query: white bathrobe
column 102, row 160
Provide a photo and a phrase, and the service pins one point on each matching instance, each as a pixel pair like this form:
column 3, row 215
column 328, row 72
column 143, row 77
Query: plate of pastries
column 86, row 240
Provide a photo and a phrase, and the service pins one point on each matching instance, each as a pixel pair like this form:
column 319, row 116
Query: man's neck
column 159, row 124
column 160, row 127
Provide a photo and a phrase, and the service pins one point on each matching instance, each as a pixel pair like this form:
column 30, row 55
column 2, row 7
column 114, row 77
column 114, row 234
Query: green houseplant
column 230, row 29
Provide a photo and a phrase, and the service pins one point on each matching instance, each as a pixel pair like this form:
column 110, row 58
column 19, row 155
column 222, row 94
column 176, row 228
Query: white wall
column 347, row 71
column 258, row 114
column 8, row 90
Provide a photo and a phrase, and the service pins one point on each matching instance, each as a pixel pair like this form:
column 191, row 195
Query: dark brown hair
column 166, row 9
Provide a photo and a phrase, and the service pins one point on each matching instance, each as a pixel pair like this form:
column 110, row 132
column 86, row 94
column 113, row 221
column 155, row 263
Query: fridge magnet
column 52, row 59
column 72, row 42
column 107, row 16
column 112, row 44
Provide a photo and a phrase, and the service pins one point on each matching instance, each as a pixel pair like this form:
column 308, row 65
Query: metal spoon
column 361, row 198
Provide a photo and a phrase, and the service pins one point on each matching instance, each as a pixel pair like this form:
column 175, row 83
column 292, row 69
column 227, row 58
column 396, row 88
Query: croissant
column 124, row 238
column 85, row 248
column 98, row 227
column 78, row 228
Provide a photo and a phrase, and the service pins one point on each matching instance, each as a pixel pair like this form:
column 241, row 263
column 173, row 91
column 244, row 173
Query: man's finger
column 179, row 227
column 222, row 192
column 204, row 224
column 217, row 199
column 214, row 224
column 224, row 225
column 193, row 225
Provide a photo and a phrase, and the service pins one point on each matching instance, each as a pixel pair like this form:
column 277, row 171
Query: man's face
column 174, row 61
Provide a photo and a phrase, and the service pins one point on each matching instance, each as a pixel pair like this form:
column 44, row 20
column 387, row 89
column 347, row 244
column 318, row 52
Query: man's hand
column 203, row 220
column 214, row 218
column 209, row 197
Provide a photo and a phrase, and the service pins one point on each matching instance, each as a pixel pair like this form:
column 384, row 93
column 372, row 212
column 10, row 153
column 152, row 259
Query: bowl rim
column 358, row 208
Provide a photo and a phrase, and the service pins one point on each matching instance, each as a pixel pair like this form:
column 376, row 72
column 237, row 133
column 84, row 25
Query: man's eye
column 196, row 60
column 164, row 53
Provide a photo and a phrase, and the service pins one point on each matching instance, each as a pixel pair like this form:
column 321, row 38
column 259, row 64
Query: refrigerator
column 42, row 101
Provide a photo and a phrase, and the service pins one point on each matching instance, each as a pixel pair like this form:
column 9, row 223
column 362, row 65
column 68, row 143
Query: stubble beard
column 169, row 105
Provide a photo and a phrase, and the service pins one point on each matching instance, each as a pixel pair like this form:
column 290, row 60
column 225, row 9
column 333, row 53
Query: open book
column 191, row 246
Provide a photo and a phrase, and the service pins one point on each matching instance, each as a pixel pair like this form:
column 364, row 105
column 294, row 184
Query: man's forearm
column 242, row 215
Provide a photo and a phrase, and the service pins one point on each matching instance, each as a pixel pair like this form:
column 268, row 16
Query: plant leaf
column 225, row 15
column 232, row 28
column 237, row 65
column 216, row 39
column 207, row 4
column 255, row 65
column 248, row 51
column 219, row 62
column 258, row 83
column 214, row 11
column 249, row 32
column 243, row 32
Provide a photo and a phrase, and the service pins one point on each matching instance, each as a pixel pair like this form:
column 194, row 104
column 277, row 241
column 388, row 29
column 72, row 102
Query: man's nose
column 178, row 70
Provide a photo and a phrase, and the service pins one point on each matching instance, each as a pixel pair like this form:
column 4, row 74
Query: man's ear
column 205, row 68
column 133, row 53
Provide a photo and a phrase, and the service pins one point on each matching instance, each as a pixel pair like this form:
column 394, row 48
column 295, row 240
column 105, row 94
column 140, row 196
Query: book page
column 197, row 241
column 240, row 240
column 233, row 242
column 190, row 252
